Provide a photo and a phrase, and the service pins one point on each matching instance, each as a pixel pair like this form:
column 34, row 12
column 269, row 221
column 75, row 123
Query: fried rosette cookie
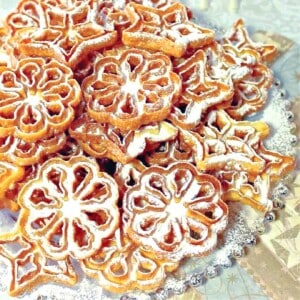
column 102, row 140
column 175, row 212
column 229, row 144
column 199, row 92
column 29, row 267
column 69, row 208
column 23, row 153
column 228, row 67
column 64, row 30
column 168, row 30
column 28, row 14
column 131, row 89
column 242, row 70
column 114, row 12
column 122, row 266
column 37, row 99
column 251, row 92
column 256, row 190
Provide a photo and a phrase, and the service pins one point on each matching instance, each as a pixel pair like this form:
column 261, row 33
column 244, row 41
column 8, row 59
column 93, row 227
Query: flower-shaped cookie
column 199, row 92
column 69, row 208
column 23, row 153
column 168, row 30
column 102, row 140
column 29, row 13
column 131, row 89
column 37, row 99
column 175, row 212
column 65, row 30
column 29, row 267
column 122, row 266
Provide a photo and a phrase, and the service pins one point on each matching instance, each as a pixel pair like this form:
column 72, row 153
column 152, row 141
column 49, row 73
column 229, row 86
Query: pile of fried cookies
column 123, row 137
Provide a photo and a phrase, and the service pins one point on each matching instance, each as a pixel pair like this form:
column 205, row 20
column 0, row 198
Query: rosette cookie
column 199, row 92
column 115, row 14
column 175, row 212
column 131, row 89
column 251, row 92
column 228, row 67
column 122, row 266
column 29, row 267
column 229, row 144
column 37, row 99
column 69, row 208
column 256, row 190
column 242, row 70
column 64, row 30
column 24, row 153
column 168, row 30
